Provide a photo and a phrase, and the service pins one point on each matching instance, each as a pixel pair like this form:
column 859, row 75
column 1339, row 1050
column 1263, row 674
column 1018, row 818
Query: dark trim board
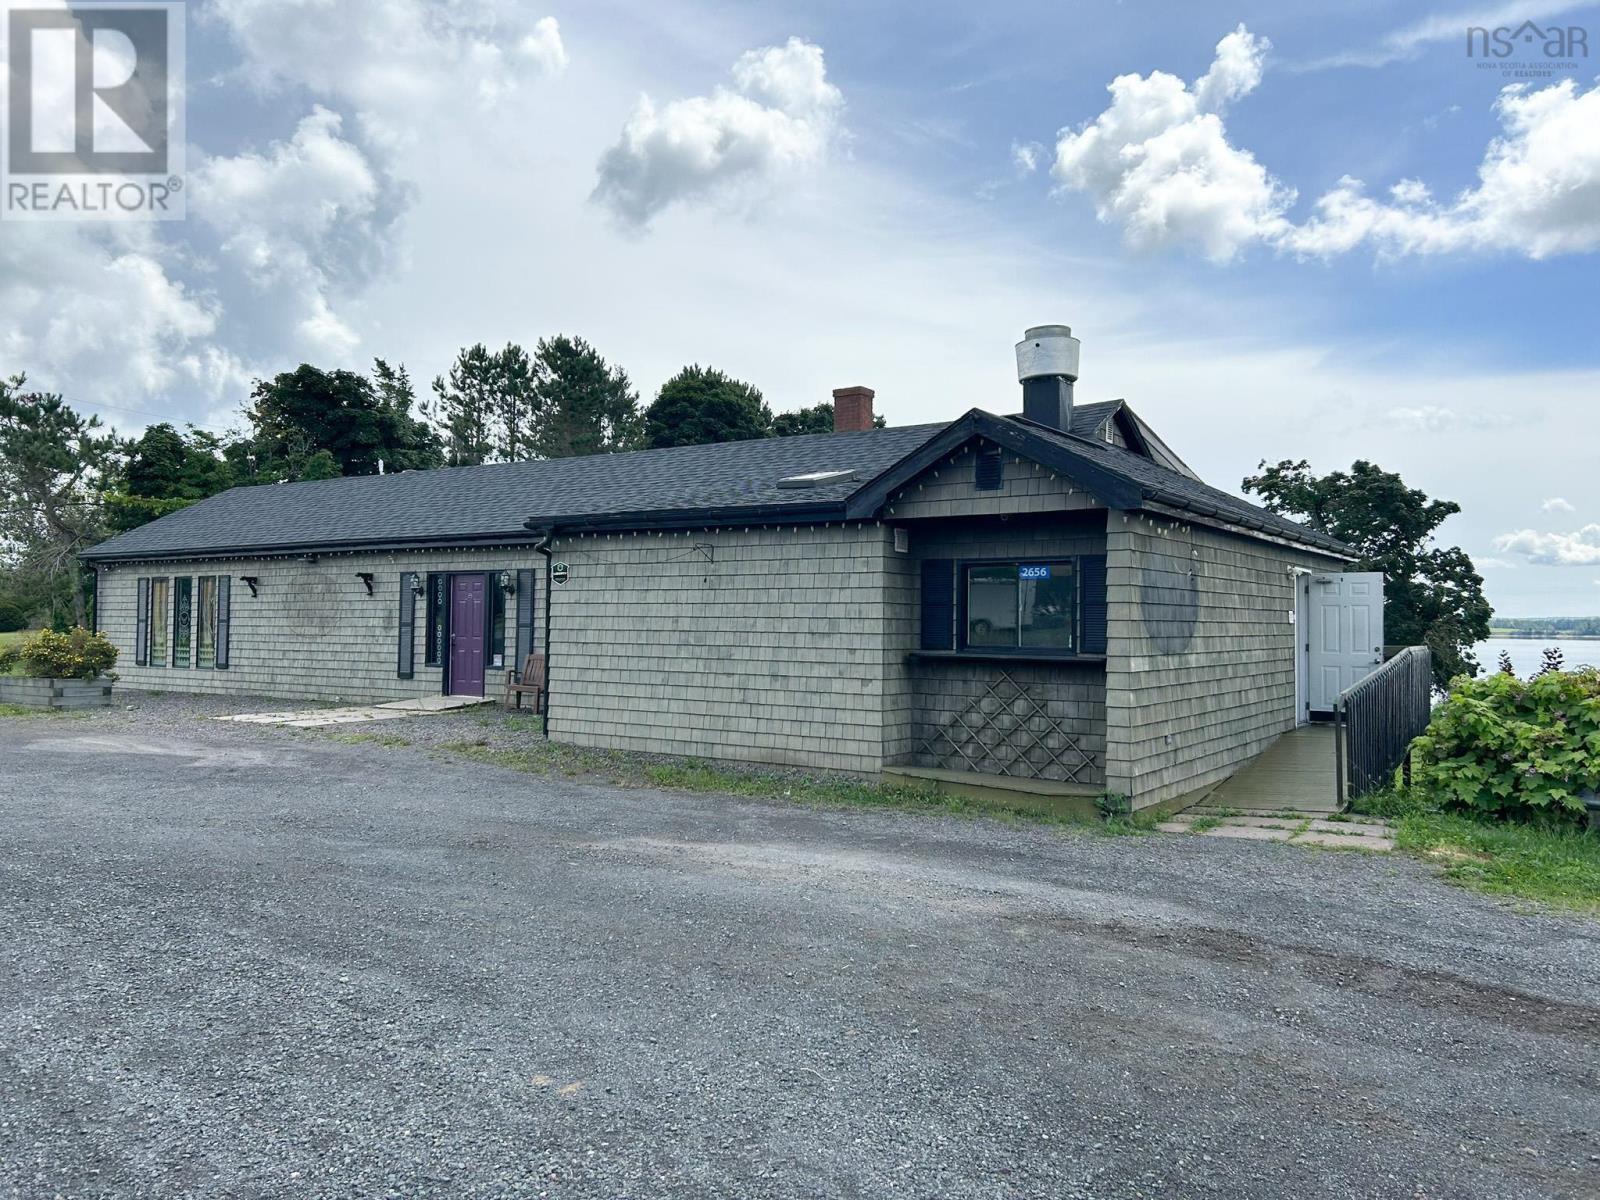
column 520, row 537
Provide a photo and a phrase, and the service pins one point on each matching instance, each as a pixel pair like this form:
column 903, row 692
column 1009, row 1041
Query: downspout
column 543, row 548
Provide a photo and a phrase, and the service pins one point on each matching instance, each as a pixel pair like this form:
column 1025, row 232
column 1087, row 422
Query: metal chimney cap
column 1047, row 350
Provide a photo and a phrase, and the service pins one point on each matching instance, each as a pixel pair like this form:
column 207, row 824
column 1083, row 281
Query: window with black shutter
column 224, row 619
column 141, row 626
column 433, row 647
column 407, row 644
column 938, row 604
column 1092, row 569
column 525, row 610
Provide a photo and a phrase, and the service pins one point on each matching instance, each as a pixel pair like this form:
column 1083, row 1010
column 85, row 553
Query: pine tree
column 1505, row 664
column 465, row 407
column 1550, row 661
column 585, row 405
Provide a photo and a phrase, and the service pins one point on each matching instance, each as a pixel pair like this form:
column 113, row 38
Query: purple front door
column 466, row 634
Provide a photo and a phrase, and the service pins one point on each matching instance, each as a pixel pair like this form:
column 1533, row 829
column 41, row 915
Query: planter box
column 55, row 693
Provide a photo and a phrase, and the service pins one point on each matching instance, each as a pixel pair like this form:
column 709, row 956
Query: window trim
column 185, row 584
column 200, row 609
column 159, row 622
column 963, row 647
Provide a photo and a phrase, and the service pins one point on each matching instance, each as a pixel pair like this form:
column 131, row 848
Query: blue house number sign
column 1030, row 572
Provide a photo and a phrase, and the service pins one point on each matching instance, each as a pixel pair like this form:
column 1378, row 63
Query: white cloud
column 1538, row 191
column 1158, row 162
column 779, row 118
column 1499, row 564
column 1580, row 548
column 1026, row 157
column 1556, row 504
column 398, row 62
column 1409, row 40
column 91, row 312
column 1437, row 418
column 301, row 221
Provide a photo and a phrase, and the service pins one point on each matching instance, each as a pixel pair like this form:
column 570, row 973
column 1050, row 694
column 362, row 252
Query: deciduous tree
column 1432, row 594
column 701, row 404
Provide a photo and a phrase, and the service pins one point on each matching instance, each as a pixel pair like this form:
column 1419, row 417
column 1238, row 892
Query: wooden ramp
column 1294, row 774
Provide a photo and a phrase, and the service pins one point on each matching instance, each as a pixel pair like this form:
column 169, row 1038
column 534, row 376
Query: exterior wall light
column 251, row 582
column 508, row 582
column 366, row 578
column 417, row 586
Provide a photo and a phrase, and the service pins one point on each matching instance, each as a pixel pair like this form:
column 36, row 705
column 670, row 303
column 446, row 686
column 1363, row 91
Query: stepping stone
column 1249, row 833
column 1367, row 828
column 1343, row 841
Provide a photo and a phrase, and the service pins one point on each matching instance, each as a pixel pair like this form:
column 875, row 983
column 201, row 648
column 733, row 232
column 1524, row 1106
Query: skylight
column 816, row 479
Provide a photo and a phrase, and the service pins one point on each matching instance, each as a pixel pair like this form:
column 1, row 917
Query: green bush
column 12, row 618
column 1514, row 749
column 76, row 654
column 9, row 655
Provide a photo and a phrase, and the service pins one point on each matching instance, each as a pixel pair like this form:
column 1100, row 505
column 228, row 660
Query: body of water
column 1528, row 653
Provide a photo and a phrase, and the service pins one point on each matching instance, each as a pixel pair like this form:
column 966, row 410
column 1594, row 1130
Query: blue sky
column 823, row 194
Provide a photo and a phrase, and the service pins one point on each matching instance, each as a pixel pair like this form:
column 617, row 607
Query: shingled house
column 1053, row 596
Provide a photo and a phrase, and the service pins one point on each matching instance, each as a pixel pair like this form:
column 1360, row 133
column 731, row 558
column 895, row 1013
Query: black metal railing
column 1375, row 719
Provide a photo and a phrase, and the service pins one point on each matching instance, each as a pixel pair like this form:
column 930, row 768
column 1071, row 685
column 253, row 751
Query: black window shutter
column 989, row 470
column 524, row 619
column 141, row 627
column 406, row 660
column 432, row 650
column 1092, row 570
column 224, row 619
column 938, row 604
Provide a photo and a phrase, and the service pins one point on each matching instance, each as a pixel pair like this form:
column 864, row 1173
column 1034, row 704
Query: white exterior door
column 1344, row 635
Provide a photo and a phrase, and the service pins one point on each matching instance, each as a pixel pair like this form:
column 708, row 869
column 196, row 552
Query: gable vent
column 817, row 479
column 989, row 469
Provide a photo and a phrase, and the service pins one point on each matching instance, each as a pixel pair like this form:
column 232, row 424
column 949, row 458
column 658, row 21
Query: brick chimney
column 852, row 409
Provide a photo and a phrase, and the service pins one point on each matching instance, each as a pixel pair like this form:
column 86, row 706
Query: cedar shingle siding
column 1200, row 672
column 763, row 646
column 312, row 632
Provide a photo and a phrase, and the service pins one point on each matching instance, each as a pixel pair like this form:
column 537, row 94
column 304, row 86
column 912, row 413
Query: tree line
column 67, row 481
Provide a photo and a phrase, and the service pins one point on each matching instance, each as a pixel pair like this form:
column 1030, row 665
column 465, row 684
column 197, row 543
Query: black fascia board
column 440, row 541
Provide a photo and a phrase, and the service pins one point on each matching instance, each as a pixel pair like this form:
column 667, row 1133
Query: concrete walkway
column 1295, row 773
column 1296, row 828
column 353, row 714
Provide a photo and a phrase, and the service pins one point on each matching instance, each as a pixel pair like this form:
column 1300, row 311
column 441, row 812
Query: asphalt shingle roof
column 720, row 483
column 1160, row 483
column 480, row 503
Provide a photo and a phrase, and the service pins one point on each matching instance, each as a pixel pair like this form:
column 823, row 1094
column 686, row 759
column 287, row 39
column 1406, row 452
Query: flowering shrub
column 1514, row 749
column 76, row 654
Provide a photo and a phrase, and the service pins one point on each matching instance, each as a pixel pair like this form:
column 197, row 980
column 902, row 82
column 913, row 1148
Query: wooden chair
column 532, row 680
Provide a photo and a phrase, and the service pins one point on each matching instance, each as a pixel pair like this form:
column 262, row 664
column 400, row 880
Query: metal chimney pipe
column 1047, row 367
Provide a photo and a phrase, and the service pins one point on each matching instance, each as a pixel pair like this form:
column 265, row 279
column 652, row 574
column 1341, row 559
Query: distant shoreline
column 1550, row 634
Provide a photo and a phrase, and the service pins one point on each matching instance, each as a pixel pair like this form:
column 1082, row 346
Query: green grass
column 548, row 758
column 374, row 739
column 1201, row 824
column 1555, row 866
column 24, row 711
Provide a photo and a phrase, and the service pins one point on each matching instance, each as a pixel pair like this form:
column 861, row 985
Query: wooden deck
column 1294, row 774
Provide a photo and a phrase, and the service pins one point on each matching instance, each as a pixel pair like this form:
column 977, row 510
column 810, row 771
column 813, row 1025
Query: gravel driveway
column 261, row 963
